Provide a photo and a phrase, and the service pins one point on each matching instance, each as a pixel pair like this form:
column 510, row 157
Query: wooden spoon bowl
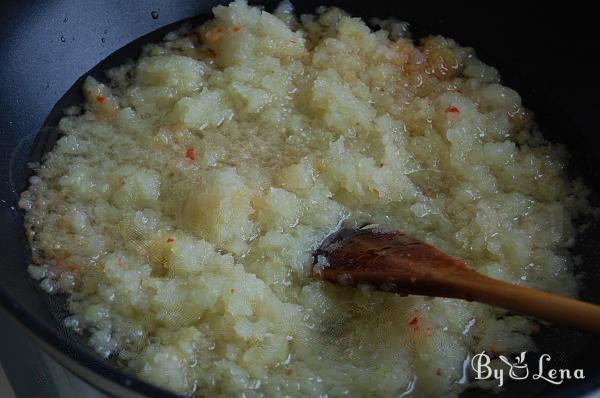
column 399, row 263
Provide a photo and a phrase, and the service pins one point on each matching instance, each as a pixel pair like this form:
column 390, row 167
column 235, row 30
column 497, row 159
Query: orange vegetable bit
column 414, row 323
column 190, row 154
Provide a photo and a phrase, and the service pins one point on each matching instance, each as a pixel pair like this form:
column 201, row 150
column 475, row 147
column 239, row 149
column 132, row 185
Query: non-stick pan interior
column 521, row 70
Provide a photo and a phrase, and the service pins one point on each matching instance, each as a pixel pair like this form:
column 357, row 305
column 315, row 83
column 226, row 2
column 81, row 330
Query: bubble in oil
column 410, row 388
column 465, row 371
column 469, row 326
column 72, row 322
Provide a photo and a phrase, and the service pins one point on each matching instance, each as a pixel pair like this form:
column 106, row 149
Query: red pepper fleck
column 414, row 322
column 190, row 154
column 236, row 28
column 220, row 30
column 289, row 372
column 381, row 165
column 73, row 267
column 100, row 99
column 170, row 240
column 460, row 91
column 452, row 109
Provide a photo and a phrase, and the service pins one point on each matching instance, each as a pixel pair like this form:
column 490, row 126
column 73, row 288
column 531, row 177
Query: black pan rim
column 70, row 349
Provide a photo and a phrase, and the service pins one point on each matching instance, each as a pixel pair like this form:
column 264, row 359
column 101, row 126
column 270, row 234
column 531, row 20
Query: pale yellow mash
column 181, row 208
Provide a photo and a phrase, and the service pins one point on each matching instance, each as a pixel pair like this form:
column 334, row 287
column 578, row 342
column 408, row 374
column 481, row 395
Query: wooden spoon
column 396, row 262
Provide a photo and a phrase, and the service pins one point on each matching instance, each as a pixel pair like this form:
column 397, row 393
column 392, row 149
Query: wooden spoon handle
column 536, row 303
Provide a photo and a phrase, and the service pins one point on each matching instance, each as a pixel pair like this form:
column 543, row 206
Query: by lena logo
column 519, row 370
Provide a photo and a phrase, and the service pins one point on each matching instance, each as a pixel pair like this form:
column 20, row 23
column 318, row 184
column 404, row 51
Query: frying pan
column 542, row 52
